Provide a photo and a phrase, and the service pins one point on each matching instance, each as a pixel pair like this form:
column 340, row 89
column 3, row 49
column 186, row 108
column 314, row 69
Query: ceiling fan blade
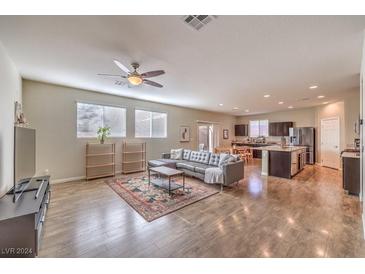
column 152, row 83
column 152, row 73
column 122, row 67
column 111, row 75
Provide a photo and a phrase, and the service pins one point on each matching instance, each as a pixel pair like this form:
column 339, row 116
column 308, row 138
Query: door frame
column 197, row 134
column 339, row 138
column 211, row 138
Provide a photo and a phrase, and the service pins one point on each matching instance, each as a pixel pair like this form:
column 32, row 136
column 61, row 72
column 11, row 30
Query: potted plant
column 103, row 133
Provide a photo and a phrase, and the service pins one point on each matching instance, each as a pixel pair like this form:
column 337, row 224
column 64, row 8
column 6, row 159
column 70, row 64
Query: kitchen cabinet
column 351, row 173
column 280, row 164
column 273, row 129
column 280, row 128
column 285, row 127
column 286, row 164
column 241, row 130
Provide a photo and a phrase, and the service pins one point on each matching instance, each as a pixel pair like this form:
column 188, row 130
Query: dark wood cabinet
column 280, row 128
column 286, row 126
column 21, row 223
column 241, row 130
column 273, row 129
column 351, row 175
column 280, row 164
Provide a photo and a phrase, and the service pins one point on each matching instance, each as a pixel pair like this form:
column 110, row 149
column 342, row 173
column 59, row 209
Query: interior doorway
column 330, row 142
column 208, row 136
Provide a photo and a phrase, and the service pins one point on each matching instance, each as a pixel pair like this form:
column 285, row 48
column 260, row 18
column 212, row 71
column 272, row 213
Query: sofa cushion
column 185, row 165
column 200, row 156
column 200, row 168
column 170, row 162
column 214, row 159
column 176, row 154
column 186, row 154
column 156, row 163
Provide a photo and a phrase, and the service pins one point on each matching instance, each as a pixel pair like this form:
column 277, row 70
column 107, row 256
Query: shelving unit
column 133, row 157
column 100, row 160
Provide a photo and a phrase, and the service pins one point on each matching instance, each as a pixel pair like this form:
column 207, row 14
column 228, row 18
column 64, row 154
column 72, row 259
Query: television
column 24, row 159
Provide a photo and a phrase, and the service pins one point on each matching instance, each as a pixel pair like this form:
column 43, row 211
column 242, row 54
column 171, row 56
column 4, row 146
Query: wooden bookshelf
column 100, row 160
column 133, row 157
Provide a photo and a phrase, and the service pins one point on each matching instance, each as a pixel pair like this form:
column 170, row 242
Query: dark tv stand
column 32, row 186
column 21, row 223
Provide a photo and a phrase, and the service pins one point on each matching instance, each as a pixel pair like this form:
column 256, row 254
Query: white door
column 208, row 137
column 330, row 142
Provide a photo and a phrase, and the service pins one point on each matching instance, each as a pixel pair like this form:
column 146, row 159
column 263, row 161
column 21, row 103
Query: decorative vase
column 102, row 140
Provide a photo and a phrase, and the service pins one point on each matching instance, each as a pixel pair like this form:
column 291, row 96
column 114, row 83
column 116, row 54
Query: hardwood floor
column 308, row 216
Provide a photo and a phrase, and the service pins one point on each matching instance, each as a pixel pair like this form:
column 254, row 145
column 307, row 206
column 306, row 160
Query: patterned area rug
column 153, row 202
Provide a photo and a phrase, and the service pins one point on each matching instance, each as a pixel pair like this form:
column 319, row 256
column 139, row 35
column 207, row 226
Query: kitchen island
column 282, row 161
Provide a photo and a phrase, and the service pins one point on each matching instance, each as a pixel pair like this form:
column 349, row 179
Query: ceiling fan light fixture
column 135, row 80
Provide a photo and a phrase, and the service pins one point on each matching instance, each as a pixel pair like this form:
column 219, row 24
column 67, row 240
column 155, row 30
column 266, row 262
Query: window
column 90, row 117
column 259, row 128
column 150, row 124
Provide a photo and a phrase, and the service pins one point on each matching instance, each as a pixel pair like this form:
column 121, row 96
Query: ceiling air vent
column 119, row 83
column 198, row 21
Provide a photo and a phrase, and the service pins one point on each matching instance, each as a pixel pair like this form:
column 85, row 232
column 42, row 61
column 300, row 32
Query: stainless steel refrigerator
column 304, row 136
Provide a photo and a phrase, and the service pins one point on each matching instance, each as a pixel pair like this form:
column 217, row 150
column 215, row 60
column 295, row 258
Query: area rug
column 153, row 202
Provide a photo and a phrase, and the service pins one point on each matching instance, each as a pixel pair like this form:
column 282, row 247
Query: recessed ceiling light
column 320, row 96
column 313, row 87
column 281, row 102
column 325, row 103
column 247, row 110
column 267, row 95
column 221, row 105
column 235, row 108
column 290, row 106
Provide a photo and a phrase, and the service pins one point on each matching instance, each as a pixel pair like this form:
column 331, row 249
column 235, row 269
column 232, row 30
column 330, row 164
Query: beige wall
column 352, row 115
column 10, row 91
column 51, row 110
column 347, row 110
column 328, row 111
column 305, row 117
column 362, row 162
column 301, row 117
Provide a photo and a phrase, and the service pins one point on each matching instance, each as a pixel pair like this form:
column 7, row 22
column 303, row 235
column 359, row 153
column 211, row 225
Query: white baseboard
column 65, row 180
column 72, row 179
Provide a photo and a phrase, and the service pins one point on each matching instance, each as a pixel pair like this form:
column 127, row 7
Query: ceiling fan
column 134, row 77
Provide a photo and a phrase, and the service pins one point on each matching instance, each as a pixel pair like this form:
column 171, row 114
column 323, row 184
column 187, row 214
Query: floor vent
column 197, row 22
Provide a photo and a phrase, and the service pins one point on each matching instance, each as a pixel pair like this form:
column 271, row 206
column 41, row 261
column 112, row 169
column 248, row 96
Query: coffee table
column 169, row 173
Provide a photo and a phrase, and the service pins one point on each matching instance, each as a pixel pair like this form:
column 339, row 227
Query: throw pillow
column 228, row 159
column 176, row 154
column 222, row 158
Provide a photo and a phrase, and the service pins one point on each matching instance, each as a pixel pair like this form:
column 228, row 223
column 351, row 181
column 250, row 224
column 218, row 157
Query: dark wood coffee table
column 169, row 173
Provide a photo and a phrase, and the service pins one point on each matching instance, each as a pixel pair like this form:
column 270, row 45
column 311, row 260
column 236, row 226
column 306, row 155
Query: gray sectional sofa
column 194, row 163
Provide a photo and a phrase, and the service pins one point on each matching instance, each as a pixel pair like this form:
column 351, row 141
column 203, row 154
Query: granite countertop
column 280, row 148
column 351, row 154
column 248, row 144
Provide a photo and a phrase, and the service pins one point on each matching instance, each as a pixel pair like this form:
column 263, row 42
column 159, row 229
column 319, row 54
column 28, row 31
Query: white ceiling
column 234, row 60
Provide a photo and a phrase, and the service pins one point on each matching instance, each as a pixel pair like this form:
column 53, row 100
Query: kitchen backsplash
column 273, row 139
